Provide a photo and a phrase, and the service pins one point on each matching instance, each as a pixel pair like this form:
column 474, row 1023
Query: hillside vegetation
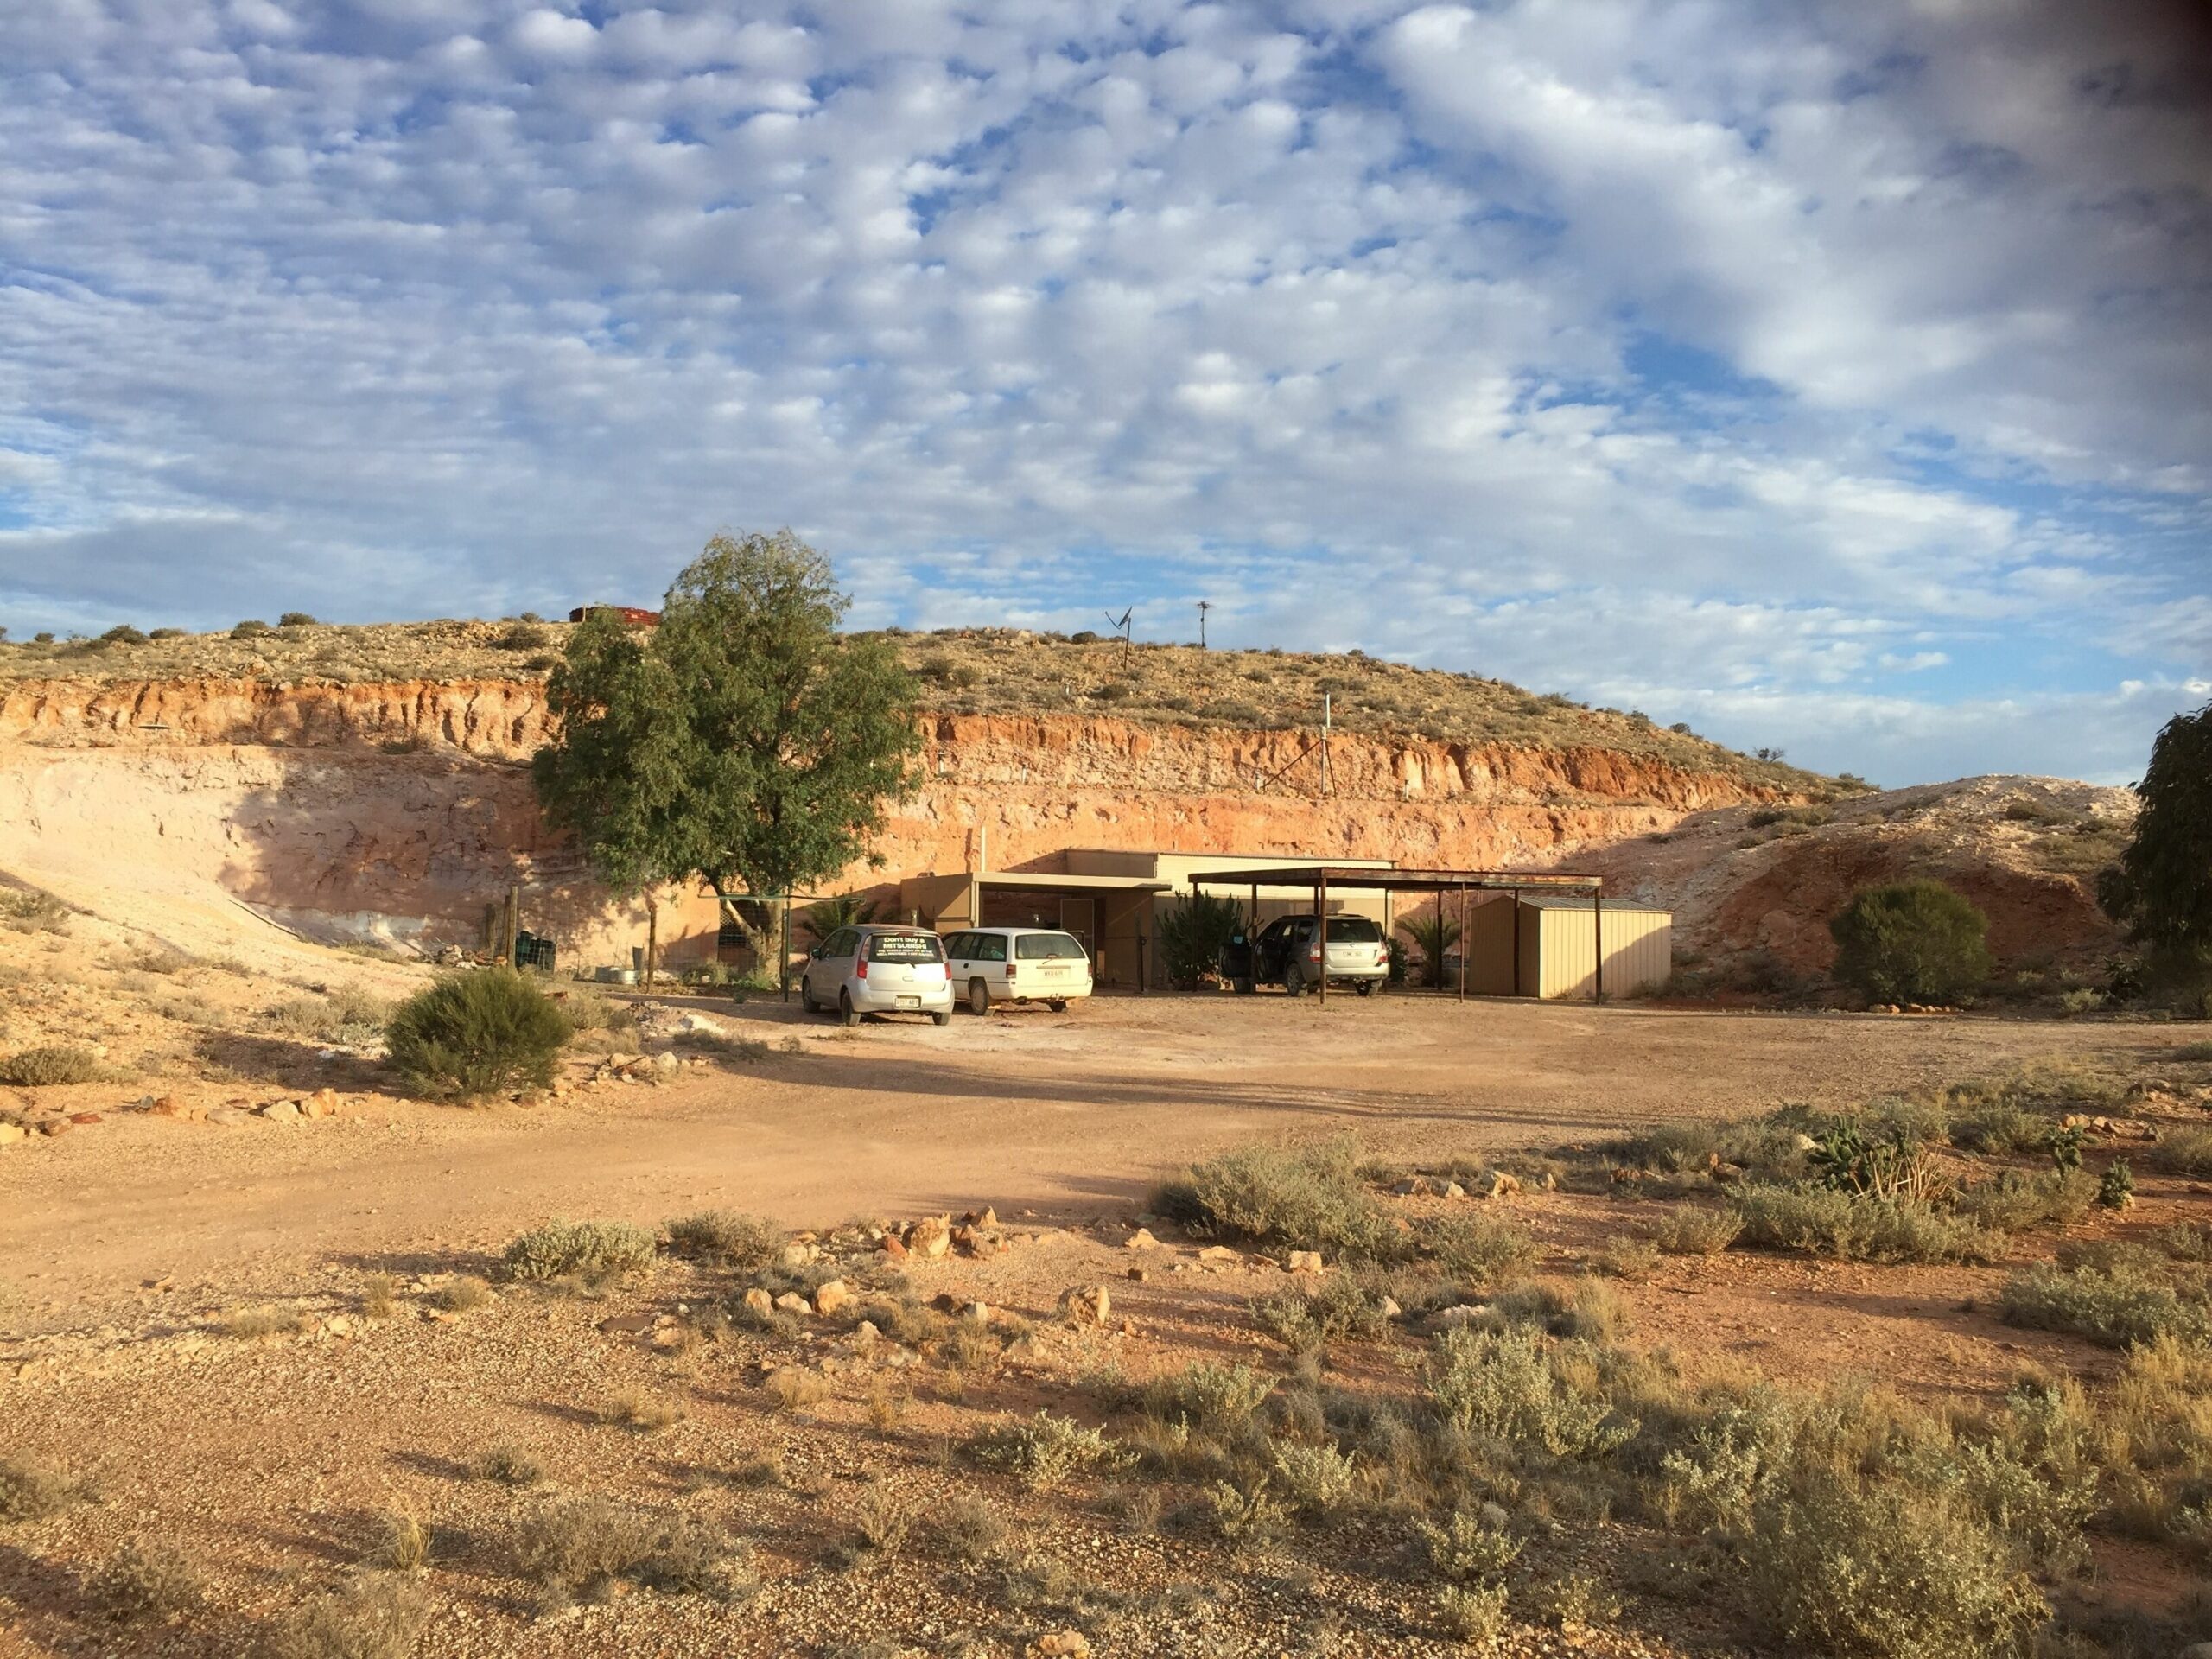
column 1004, row 671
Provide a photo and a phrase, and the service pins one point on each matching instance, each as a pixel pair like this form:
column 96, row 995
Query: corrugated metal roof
column 1581, row 901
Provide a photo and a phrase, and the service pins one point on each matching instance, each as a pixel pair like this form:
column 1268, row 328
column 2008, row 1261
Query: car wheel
column 979, row 997
column 1245, row 986
column 1365, row 988
column 945, row 1018
column 1058, row 1005
column 1293, row 981
column 806, row 1002
column 846, row 1011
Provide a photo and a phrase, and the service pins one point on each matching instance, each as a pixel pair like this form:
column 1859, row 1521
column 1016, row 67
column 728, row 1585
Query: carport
column 1321, row 877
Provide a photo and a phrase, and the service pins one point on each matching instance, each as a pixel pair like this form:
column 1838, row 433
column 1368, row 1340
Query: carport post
column 1466, row 933
column 1598, row 922
column 1321, row 928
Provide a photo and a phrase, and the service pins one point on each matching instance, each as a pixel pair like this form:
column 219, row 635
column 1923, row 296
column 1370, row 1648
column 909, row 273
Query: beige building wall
column 1559, row 950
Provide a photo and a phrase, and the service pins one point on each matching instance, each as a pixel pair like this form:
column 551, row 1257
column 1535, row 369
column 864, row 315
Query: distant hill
column 971, row 671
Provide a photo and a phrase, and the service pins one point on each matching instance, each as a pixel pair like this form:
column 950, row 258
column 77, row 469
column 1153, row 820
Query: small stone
column 1497, row 1185
column 281, row 1111
column 1305, row 1262
column 894, row 1247
column 11, row 1133
column 830, row 1296
column 1389, row 1308
column 1138, row 1275
column 1452, row 1318
column 931, row 1237
column 1087, row 1305
column 226, row 1117
column 977, row 1313
column 626, row 1325
column 1141, row 1240
column 1221, row 1254
column 792, row 1302
column 865, row 1333
column 1061, row 1644
column 758, row 1302
column 1453, row 1190
column 84, row 1120
column 321, row 1103
column 56, row 1126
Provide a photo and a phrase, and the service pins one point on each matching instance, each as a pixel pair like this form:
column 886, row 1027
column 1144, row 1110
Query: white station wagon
column 1016, row 964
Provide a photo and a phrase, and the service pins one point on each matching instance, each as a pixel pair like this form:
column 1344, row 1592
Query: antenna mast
column 1121, row 625
column 1204, row 607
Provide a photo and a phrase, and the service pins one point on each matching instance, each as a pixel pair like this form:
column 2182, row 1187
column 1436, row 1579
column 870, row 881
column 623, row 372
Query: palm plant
column 825, row 916
column 1432, row 935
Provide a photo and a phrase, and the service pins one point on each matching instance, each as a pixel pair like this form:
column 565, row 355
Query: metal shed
column 1557, row 947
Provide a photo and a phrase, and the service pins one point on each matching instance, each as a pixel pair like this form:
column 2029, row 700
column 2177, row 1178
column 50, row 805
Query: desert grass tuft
column 380, row 1618
column 591, row 1249
column 146, row 1583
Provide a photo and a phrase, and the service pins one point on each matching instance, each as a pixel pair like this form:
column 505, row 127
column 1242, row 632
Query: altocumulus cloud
column 1829, row 375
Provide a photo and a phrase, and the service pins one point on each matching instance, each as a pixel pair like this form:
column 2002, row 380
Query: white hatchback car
column 859, row 971
column 1017, row 964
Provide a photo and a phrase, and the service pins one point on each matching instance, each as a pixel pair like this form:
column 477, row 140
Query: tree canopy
column 2161, row 888
column 1910, row 942
column 744, row 740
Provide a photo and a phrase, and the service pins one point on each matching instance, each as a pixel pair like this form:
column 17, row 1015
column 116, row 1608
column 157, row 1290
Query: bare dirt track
column 1070, row 1116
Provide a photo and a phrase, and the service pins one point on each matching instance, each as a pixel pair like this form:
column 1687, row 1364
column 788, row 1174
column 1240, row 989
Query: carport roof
column 1398, row 881
column 1069, row 883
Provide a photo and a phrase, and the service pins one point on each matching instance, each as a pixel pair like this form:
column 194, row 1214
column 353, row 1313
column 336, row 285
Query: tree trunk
column 653, row 937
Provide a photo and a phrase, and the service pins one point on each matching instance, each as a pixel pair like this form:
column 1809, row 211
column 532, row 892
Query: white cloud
column 418, row 308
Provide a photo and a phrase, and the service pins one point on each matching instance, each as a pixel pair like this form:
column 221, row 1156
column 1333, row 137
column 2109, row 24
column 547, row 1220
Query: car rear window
column 1353, row 929
column 904, row 947
column 1043, row 947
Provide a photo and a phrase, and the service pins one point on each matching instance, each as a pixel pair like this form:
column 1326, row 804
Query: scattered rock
column 227, row 1116
column 1074, row 1644
column 281, row 1111
column 1141, row 1240
column 1086, row 1305
column 84, row 1120
column 1221, row 1254
column 1389, row 1308
column 1138, row 1275
column 56, row 1126
column 894, row 1247
column 830, row 1296
column 321, row 1103
column 931, row 1237
column 1453, row 1190
column 1305, row 1262
column 1496, row 1183
column 986, row 1218
column 758, row 1302
column 626, row 1325
column 792, row 1302
column 11, row 1133
column 1452, row 1318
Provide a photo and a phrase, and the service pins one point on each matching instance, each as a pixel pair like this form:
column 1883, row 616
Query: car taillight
column 860, row 967
column 1009, row 970
column 1314, row 955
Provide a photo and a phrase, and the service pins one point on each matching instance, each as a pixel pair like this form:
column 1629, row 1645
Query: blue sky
column 1830, row 376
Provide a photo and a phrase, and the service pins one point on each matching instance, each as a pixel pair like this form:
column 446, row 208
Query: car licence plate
column 909, row 1001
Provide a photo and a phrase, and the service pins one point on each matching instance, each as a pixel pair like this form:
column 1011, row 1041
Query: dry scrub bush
column 31, row 1490
column 378, row 1292
column 509, row 1466
column 1887, row 1571
column 342, row 1016
column 1625, row 1256
column 1306, row 1322
column 1472, row 1613
column 2184, row 1152
column 1312, row 1199
column 1215, row 1398
column 1696, row 1229
column 50, row 1065
column 2014, row 1202
column 145, row 1582
column 632, row 1409
column 401, row 1544
column 1478, row 1249
column 1320, row 1480
column 484, row 1032
column 26, row 910
column 794, row 1388
column 254, row 1323
column 1509, row 1385
column 2120, row 1306
column 462, row 1294
column 593, row 1249
column 966, row 1528
column 373, row 1618
column 587, row 1549
column 1856, row 1227
column 1045, row 1450
column 726, row 1239
column 1465, row 1548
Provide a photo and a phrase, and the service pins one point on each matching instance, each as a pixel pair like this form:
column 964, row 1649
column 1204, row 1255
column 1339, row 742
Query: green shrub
column 1312, row 1199
column 1206, row 1395
column 1889, row 1571
column 727, row 1239
column 1472, row 1613
column 1479, row 1248
column 1320, row 1480
column 31, row 1490
column 1044, row 1450
column 123, row 635
column 2014, row 1202
column 165, row 634
column 2116, row 1188
column 1308, row 1321
column 1913, row 942
column 484, row 1031
column 1192, row 936
column 50, row 1065
column 1505, row 1385
column 295, row 619
column 1853, row 1227
column 250, row 628
column 2119, row 1306
column 1466, row 1548
column 592, row 1248
column 32, row 910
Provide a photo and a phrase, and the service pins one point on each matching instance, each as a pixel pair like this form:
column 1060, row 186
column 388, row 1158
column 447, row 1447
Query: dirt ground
column 1070, row 1117
column 128, row 1246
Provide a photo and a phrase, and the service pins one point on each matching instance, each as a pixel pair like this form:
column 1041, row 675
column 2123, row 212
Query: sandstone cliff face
column 410, row 799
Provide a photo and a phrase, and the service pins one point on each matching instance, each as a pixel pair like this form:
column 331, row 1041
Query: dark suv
column 1288, row 952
